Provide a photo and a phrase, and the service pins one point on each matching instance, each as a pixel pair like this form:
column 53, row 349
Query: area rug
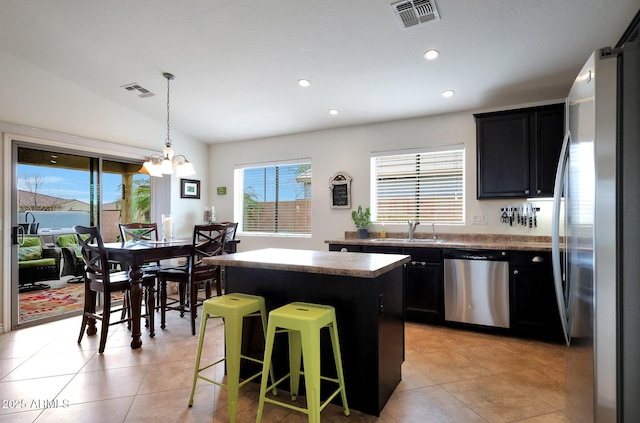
column 52, row 302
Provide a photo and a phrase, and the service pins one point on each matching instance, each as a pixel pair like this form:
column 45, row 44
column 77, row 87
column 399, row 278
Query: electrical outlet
column 480, row 219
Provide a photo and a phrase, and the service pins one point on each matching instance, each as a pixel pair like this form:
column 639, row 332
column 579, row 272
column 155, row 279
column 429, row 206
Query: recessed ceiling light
column 431, row 54
column 448, row 93
column 333, row 111
column 304, row 82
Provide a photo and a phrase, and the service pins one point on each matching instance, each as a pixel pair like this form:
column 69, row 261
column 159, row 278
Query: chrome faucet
column 433, row 230
column 412, row 228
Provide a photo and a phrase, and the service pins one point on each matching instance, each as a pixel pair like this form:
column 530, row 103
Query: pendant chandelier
column 165, row 164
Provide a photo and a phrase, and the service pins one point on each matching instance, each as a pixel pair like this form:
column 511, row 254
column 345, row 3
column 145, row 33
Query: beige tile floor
column 448, row 376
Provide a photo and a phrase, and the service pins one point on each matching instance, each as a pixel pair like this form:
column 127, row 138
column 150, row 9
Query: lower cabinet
column 532, row 298
column 534, row 310
column 345, row 247
column 424, row 289
column 423, row 282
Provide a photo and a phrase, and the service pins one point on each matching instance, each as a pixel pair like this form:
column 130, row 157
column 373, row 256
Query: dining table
column 135, row 254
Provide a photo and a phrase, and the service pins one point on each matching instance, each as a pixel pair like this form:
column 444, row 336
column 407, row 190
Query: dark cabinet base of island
column 369, row 313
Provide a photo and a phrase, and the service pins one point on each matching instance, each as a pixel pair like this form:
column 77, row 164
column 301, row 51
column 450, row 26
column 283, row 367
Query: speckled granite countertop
column 465, row 241
column 325, row 262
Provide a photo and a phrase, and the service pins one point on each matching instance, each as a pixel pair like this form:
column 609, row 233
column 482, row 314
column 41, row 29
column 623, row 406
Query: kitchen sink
column 409, row 241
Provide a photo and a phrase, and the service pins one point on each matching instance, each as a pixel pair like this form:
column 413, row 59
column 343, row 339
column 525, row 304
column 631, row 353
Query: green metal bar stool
column 233, row 308
column 303, row 322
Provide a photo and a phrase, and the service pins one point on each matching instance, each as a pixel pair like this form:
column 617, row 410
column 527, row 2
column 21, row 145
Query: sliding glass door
column 56, row 190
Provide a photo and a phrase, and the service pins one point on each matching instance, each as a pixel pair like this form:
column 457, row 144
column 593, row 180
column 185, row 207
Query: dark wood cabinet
column 424, row 286
column 534, row 310
column 518, row 151
column 423, row 282
column 345, row 247
column 383, row 249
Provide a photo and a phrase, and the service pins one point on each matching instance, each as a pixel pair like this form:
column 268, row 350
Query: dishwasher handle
column 486, row 255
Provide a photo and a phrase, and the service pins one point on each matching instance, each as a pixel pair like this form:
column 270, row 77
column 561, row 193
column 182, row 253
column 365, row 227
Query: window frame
column 239, row 196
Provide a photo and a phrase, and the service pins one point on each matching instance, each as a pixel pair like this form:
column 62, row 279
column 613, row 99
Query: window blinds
column 424, row 186
column 277, row 199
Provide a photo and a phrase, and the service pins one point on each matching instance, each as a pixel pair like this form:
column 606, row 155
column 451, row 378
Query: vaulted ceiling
column 237, row 63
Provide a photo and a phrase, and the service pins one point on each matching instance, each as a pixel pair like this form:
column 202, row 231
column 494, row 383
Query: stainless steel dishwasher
column 476, row 287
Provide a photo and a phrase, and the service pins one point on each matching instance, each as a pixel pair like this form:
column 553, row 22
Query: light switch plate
column 480, row 219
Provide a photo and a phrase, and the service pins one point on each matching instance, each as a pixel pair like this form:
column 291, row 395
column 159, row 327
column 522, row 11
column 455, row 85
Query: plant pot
column 363, row 233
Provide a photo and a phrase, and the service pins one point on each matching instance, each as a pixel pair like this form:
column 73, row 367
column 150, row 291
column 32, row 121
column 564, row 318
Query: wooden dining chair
column 208, row 241
column 140, row 232
column 100, row 279
column 230, row 243
column 230, row 246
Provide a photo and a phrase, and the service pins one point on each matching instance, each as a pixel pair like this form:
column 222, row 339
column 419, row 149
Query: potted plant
column 362, row 220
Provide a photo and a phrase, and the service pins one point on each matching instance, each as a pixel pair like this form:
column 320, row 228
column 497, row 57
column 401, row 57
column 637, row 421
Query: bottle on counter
column 207, row 215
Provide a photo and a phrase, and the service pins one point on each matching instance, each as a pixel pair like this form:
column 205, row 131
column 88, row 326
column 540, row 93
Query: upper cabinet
column 518, row 151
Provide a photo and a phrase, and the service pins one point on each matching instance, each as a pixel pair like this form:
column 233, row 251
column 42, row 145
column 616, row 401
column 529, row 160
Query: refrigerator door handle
column 555, row 234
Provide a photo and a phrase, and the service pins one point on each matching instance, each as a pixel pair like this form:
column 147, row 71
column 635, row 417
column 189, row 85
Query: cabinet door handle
column 526, row 191
column 515, row 272
column 537, row 259
column 539, row 191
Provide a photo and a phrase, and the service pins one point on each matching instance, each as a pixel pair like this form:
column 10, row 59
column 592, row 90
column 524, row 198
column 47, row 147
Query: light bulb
column 166, row 167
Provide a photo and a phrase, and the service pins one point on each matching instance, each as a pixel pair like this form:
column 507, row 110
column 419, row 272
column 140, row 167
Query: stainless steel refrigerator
column 596, row 239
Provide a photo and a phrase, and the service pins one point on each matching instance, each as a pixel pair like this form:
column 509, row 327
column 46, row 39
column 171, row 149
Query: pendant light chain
column 168, row 140
column 165, row 164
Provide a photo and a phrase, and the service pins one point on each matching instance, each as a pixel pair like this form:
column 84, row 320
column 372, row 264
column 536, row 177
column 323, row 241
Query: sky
column 67, row 183
column 261, row 182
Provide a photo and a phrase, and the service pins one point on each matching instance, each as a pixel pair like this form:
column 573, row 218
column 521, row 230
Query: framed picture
column 189, row 188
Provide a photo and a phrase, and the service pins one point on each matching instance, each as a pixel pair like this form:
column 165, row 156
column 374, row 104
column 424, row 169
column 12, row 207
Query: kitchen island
column 367, row 292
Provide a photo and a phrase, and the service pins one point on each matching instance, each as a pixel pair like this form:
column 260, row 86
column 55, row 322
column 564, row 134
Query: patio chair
column 37, row 263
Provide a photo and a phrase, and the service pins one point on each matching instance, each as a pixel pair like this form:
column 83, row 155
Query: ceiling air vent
column 135, row 88
column 413, row 12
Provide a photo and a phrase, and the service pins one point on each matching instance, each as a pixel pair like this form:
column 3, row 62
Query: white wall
column 348, row 150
